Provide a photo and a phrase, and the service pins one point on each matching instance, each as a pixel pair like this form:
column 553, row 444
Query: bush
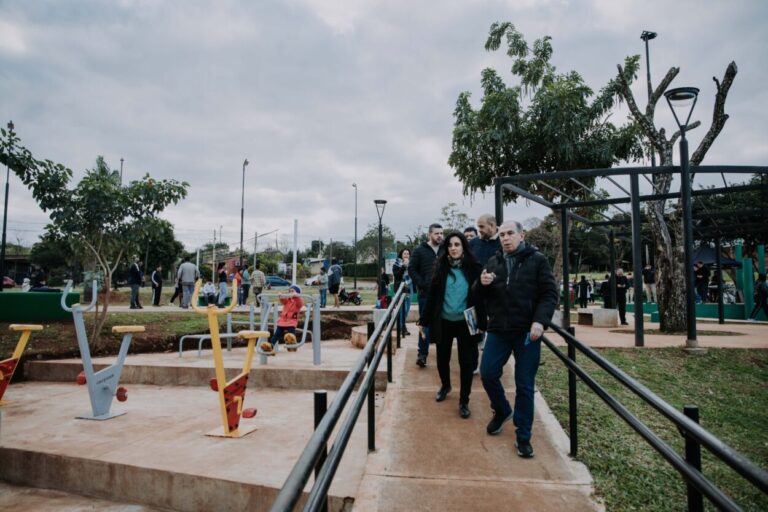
column 363, row 269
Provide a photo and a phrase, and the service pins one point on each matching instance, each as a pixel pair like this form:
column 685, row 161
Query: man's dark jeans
column 423, row 341
column 498, row 348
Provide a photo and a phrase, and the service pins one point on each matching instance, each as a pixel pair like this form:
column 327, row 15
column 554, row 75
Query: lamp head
column 648, row 35
column 245, row 162
column 680, row 99
column 380, row 205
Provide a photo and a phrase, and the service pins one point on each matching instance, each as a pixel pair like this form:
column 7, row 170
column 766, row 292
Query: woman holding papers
column 449, row 305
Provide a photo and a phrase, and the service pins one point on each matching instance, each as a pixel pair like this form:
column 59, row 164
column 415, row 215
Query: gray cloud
column 318, row 94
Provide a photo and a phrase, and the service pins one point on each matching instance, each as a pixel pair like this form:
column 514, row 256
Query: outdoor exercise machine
column 231, row 393
column 270, row 305
column 229, row 335
column 8, row 366
column 102, row 385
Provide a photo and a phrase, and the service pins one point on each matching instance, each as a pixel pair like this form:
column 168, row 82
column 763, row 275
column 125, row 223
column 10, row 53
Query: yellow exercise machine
column 232, row 393
column 8, row 366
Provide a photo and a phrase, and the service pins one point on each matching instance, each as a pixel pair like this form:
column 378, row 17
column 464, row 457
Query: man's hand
column 487, row 278
column 536, row 331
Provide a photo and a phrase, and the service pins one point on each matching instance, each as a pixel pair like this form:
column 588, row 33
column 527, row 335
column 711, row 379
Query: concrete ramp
column 429, row 458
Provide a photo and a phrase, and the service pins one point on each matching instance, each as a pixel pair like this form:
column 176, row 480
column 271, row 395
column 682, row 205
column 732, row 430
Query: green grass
column 730, row 387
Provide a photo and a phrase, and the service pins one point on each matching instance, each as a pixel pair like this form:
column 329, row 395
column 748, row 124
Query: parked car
column 273, row 281
column 8, row 282
column 312, row 281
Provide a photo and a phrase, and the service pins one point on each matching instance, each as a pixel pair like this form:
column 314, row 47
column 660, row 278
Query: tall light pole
column 354, row 247
column 380, row 205
column 680, row 98
column 647, row 36
column 5, row 210
column 121, row 174
column 242, row 214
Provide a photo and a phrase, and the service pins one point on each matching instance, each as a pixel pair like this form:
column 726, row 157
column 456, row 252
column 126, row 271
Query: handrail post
column 693, row 457
column 321, row 406
column 400, row 313
column 389, row 357
column 573, row 419
column 371, row 399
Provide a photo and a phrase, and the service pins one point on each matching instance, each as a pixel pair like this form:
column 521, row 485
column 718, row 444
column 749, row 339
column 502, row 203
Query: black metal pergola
column 710, row 225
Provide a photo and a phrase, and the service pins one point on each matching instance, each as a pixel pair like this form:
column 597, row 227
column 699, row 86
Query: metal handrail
column 294, row 485
column 738, row 462
column 687, row 426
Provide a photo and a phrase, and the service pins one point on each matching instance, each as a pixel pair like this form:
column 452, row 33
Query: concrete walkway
column 428, row 458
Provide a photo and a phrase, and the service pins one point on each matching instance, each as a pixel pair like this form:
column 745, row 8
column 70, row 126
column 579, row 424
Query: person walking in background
column 222, row 274
column 237, row 289
column 420, row 269
column 621, row 282
column 487, row 243
column 245, row 284
column 177, row 292
column 134, row 280
column 322, row 282
column 400, row 273
column 520, row 295
column 761, row 298
column 630, row 287
column 584, row 291
column 258, row 282
column 157, row 285
column 383, row 288
column 456, row 269
column 470, row 233
column 334, row 281
column 701, row 279
column 188, row 273
column 649, row 280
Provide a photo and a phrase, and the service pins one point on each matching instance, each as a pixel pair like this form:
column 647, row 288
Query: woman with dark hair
column 400, row 271
column 456, row 269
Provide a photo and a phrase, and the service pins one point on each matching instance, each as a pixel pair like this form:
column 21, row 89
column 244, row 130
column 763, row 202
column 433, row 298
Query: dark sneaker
column 421, row 361
column 524, row 448
column 464, row 411
column 496, row 425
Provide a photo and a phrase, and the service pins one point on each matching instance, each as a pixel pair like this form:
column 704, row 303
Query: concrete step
column 286, row 370
column 157, row 454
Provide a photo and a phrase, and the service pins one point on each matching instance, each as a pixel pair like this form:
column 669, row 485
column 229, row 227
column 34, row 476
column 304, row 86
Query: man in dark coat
column 622, row 284
column 487, row 243
column 420, row 269
column 134, row 280
column 157, row 285
column 520, row 295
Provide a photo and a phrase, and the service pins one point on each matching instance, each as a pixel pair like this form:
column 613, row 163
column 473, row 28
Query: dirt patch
column 680, row 333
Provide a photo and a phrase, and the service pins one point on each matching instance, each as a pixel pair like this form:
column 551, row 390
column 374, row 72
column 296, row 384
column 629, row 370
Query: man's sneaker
column 524, row 448
column 421, row 361
column 496, row 425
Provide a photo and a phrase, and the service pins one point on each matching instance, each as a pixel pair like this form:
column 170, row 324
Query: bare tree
column 667, row 227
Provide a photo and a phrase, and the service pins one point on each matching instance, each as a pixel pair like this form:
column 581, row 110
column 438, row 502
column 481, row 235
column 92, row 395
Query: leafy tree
column 668, row 229
column 368, row 245
column 102, row 219
column 55, row 255
column 452, row 219
column 549, row 122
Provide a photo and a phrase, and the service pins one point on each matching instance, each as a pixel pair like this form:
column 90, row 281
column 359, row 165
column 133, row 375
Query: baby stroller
column 353, row 297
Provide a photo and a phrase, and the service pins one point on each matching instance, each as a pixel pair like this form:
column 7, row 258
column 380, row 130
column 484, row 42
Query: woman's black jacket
column 431, row 316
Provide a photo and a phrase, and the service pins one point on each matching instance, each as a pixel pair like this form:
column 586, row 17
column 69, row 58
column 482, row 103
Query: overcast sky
column 318, row 94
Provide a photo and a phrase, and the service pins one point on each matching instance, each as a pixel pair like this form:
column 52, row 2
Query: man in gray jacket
column 188, row 273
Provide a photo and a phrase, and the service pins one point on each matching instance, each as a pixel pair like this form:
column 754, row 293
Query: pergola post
column 637, row 263
column 566, row 323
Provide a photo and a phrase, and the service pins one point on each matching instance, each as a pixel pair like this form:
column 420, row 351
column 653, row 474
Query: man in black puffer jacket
column 520, row 295
column 420, row 269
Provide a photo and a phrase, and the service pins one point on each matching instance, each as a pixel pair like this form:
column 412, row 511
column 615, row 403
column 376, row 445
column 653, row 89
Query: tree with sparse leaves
column 550, row 122
column 103, row 220
column 668, row 229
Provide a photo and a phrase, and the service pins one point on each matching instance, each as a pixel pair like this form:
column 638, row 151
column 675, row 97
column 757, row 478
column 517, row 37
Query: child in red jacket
column 289, row 316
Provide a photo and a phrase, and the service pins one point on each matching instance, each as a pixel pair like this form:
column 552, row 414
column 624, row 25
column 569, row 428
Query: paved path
column 428, row 458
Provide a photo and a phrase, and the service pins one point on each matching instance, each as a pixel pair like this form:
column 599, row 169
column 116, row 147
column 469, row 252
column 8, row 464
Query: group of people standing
column 483, row 287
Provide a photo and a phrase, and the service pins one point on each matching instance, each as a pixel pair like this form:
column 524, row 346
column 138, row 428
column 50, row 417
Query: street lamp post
column 647, row 36
column 683, row 97
column 242, row 213
column 121, row 173
column 380, row 205
column 5, row 210
column 354, row 247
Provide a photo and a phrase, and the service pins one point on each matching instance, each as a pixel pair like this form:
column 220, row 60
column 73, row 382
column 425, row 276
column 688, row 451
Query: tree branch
column 719, row 117
column 650, row 109
column 676, row 135
column 645, row 123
